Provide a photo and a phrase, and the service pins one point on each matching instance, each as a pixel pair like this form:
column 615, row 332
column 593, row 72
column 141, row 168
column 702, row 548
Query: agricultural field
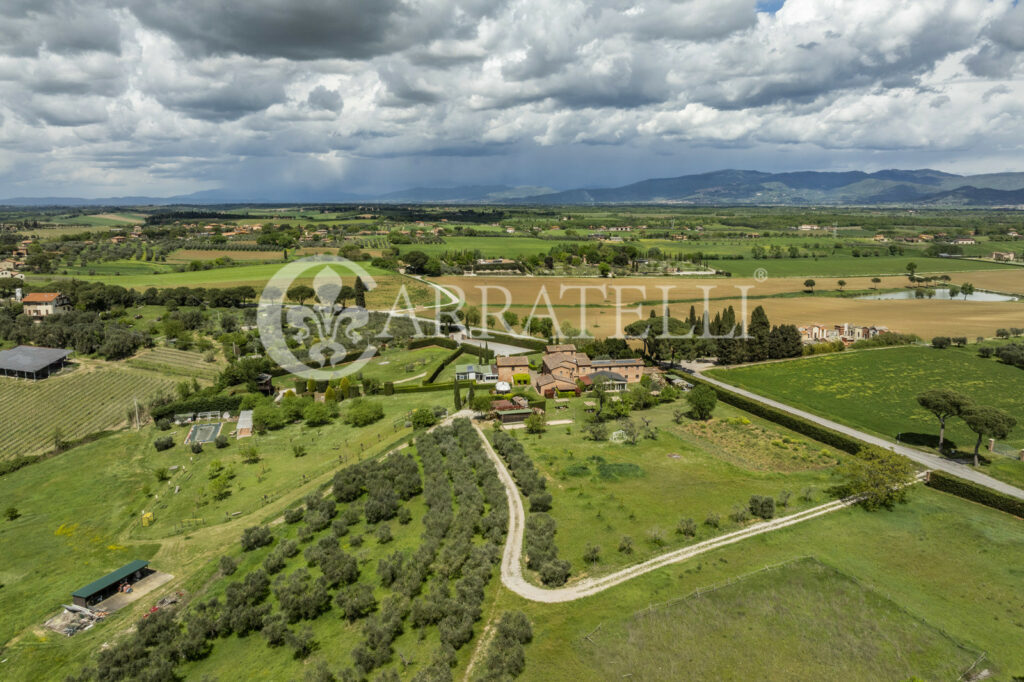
column 65, row 522
column 383, row 296
column 858, row 633
column 94, row 396
column 170, row 361
column 848, row 266
column 875, row 389
column 784, row 299
column 603, row 491
column 275, row 256
column 897, row 582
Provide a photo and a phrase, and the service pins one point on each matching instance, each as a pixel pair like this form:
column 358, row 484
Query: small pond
column 940, row 294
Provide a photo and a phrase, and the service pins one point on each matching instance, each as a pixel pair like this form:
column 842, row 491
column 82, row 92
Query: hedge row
column 449, row 359
column 423, row 342
column 204, row 403
column 482, row 353
column 430, row 387
column 968, row 490
column 790, row 421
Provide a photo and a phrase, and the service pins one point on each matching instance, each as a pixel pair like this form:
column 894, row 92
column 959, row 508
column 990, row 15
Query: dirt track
column 511, row 560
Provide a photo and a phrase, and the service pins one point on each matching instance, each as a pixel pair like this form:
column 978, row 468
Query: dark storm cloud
column 59, row 26
column 292, row 29
column 223, row 102
column 178, row 92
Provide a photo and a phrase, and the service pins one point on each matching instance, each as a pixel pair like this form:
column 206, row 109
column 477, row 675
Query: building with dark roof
column 31, row 362
column 111, row 583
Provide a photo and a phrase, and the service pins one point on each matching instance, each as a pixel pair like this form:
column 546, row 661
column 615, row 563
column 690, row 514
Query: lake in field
column 940, row 294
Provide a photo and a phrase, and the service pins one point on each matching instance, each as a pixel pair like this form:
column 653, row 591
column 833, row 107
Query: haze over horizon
column 127, row 97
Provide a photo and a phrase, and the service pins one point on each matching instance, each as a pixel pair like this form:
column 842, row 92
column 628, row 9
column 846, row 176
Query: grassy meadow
column 603, row 491
column 849, row 632
column 900, row 560
column 875, row 389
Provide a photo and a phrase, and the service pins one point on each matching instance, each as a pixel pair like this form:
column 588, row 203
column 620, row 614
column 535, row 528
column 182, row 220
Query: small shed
column 110, row 584
column 514, row 416
column 244, row 427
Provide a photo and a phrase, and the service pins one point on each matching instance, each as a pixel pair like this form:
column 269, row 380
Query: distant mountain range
column 726, row 187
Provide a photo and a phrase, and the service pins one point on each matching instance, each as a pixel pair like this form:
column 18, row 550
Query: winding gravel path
column 926, row 459
column 512, row 564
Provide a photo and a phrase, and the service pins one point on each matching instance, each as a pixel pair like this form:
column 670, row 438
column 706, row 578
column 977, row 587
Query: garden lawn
column 691, row 470
column 876, row 389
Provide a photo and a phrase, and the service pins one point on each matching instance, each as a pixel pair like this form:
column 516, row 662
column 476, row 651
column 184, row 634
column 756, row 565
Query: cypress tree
column 360, row 293
column 458, row 396
column 759, row 331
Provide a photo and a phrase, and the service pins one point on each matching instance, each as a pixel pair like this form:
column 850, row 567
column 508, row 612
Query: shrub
column 423, row 418
column 702, row 399
column 941, row 342
column 740, row 514
column 762, row 506
column 555, row 572
column 592, row 554
column 383, row 534
column 687, row 528
column 626, row 545
column 255, row 537
column 318, row 414
column 163, row 424
column 221, row 441
column 535, row 423
column 196, row 448
column 164, row 443
column 298, row 450
column 713, row 520
column 363, row 412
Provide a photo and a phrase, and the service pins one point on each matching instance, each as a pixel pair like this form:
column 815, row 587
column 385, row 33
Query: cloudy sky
column 160, row 97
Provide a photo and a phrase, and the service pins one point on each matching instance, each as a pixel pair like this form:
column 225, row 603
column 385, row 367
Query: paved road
column 926, row 459
column 512, row 557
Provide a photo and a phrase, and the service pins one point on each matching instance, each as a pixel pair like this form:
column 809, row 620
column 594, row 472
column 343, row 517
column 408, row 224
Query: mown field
column 170, row 361
column 603, row 491
column 822, row 625
column 90, row 398
column 972, row 595
column 876, row 389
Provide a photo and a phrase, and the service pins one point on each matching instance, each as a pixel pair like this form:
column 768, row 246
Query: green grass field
column 821, row 624
column 691, row 470
column 90, row 398
column 848, row 266
column 972, row 594
column 876, row 389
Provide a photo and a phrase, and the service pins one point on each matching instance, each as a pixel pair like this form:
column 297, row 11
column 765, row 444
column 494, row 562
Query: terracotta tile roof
column 513, row 362
column 40, row 297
